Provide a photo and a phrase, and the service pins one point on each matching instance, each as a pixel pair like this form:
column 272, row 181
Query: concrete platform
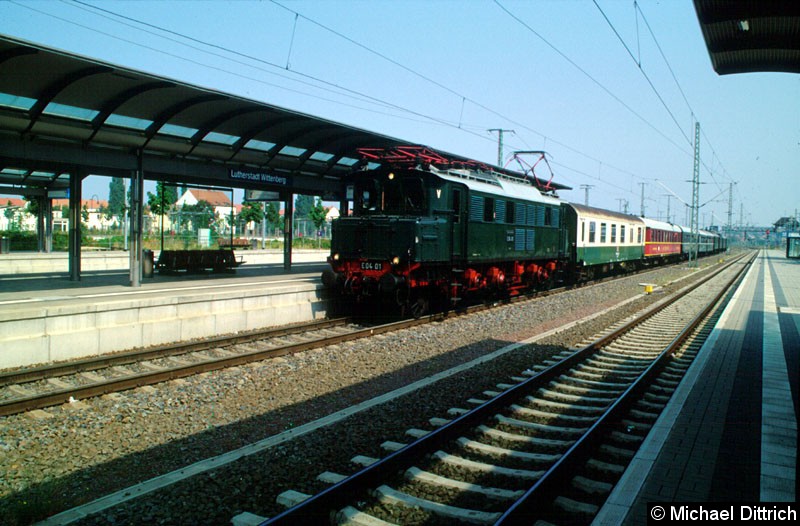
column 45, row 317
column 729, row 433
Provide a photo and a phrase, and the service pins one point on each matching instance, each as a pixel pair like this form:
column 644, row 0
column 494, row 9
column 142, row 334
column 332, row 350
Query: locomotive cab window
column 391, row 195
column 366, row 196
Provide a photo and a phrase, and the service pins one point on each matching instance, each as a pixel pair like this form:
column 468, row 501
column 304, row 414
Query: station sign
column 58, row 194
column 251, row 176
column 261, row 195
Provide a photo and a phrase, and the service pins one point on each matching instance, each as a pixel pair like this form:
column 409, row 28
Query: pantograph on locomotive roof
column 425, row 158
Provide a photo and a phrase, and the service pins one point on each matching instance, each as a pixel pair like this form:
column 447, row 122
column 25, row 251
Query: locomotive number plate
column 371, row 265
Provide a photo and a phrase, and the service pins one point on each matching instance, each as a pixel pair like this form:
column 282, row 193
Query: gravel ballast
column 75, row 453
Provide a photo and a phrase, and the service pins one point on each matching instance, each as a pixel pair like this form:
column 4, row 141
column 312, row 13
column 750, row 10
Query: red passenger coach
column 662, row 240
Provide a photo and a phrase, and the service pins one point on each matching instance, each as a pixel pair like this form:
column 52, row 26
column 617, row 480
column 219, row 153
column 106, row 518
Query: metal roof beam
column 122, row 98
column 167, row 114
column 212, row 124
column 49, row 93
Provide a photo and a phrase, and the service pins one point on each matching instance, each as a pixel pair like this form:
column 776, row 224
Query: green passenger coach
column 601, row 241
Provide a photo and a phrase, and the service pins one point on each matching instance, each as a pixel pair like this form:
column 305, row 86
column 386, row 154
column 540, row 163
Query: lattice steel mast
column 695, row 198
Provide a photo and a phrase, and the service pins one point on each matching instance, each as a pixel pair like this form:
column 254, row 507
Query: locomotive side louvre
column 509, row 221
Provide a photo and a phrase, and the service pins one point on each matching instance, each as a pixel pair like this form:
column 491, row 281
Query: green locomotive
column 430, row 229
column 425, row 227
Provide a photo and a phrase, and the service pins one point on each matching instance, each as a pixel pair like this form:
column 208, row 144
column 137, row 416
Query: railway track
column 41, row 387
column 548, row 447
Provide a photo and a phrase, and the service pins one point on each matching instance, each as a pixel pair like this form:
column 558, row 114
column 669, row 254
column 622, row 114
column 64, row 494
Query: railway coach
column 601, row 241
column 662, row 242
column 706, row 242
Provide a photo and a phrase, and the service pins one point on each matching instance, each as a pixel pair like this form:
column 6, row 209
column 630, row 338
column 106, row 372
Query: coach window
column 622, row 234
column 583, row 231
column 613, row 233
column 639, row 235
column 603, row 232
column 592, row 228
column 488, row 210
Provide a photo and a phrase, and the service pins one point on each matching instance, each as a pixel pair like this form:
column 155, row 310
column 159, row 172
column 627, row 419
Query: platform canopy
column 745, row 36
column 61, row 112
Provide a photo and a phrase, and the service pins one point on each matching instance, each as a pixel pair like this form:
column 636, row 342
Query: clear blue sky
column 442, row 73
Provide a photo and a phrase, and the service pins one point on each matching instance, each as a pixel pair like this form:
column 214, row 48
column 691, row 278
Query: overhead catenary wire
column 646, row 76
column 366, row 97
column 588, row 75
column 322, row 84
column 638, row 62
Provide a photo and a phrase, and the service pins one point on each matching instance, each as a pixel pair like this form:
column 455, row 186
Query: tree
column 252, row 212
column 165, row 194
column 273, row 216
column 303, row 205
column 33, row 206
column 116, row 197
column 9, row 213
column 200, row 215
column 317, row 214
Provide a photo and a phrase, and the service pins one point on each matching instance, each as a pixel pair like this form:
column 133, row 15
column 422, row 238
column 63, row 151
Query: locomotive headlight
column 336, row 257
column 396, row 260
column 391, row 175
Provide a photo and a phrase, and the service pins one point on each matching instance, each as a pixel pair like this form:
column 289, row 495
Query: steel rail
column 137, row 380
column 317, row 508
column 546, row 489
column 124, row 358
column 60, row 396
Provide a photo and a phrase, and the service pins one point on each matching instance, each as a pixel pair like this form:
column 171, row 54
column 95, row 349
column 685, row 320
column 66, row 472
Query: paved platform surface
column 46, row 317
column 729, row 434
column 54, row 285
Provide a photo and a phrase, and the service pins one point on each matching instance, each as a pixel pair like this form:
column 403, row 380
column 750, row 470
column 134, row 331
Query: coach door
column 459, row 224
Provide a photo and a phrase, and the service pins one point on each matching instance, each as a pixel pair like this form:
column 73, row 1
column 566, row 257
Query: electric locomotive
column 428, row 228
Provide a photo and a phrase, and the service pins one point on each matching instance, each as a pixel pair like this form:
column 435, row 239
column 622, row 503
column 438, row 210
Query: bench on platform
column 233, row 243
column 220, row 260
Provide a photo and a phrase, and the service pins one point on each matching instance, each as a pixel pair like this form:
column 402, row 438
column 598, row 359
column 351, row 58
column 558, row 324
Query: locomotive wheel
column 419, row 307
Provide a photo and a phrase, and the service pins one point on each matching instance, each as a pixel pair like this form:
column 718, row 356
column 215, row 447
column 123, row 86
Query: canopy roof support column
column 75, row 184
column 137, row 223
column 288, row 226
column 44, row 224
